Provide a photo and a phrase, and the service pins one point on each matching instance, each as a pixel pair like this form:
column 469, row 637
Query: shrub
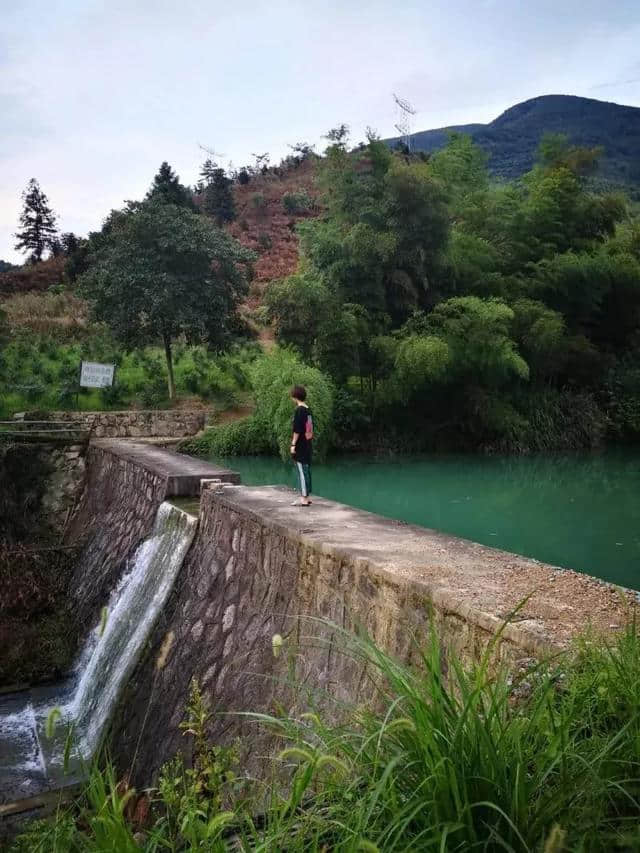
column 551, row 420
column 272, row 378
column 245, row 437
column 298, row 202
column 153, row 393
column 264, row 242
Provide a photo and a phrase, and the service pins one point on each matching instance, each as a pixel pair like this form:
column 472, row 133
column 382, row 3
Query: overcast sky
column 94, row 95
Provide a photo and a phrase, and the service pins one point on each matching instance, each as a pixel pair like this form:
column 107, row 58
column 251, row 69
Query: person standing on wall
column 301, row 441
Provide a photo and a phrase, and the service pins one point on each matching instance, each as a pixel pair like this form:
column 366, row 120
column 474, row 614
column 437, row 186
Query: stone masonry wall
column 65, row 483
column 252, row 573
column 170, row 423
column 114, row 515
column 41, row 482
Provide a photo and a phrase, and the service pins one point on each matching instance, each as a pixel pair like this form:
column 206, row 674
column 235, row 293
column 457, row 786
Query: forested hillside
column 450, row 311
column 425, row 304
column 512, row 138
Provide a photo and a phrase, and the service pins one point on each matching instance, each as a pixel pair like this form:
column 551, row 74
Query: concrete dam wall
column 259, row 567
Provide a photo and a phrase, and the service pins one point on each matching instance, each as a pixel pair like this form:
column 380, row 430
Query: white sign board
column 94, row 375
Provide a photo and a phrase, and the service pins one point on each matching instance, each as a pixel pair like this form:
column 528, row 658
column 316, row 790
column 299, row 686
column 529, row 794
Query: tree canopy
column 166, row 187
column 477, row 304
column 158, row 271
column 37, row 231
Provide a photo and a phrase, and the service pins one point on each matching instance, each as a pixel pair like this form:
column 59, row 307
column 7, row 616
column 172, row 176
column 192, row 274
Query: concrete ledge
column 182, row 473
column 547, row 606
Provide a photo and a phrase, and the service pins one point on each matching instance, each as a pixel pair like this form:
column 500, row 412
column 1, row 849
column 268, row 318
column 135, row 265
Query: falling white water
column 105, row 663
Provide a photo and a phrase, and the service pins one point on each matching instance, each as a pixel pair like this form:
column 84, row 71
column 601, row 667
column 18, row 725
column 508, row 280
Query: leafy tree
column 159, row 271
column 166, row 187
column 272, row 378
column 218, row 197
column 302, row 151
column 597, row 292
column 69, row 242
column 207, row 171
column 382, row 244
column 421, row 360
column 478, row 334
column 37, row 230
column 299, row 307
column 338, row 136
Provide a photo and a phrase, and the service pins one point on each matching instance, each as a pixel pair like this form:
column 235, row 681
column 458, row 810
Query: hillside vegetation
column 440, row 308
column 444, row 758
column 511, row 139
column 451, row 312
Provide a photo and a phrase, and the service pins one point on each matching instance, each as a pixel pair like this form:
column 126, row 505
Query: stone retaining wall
column 40, row 485
column 170, row 423
column 259, row 567
column 114, row 515
column 65, row 483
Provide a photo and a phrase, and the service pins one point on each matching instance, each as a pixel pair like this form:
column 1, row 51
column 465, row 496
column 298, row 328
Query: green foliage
column 623, row 393
column 420, row 361
column 443, row 757
column 477, row 332
column 427, row 284
column 272, row 376
column 37, row 230
column 244, row 437
column 193, row 797
column 386, row 232
column 158, row 271
column 218, row 197
column 299, row 307
column 296, row 203
column 167, row 188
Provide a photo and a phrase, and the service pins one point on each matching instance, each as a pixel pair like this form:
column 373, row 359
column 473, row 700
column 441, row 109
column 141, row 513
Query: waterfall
column 104, row 665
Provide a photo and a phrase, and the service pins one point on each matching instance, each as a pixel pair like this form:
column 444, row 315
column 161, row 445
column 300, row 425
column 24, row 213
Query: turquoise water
column 581, row 512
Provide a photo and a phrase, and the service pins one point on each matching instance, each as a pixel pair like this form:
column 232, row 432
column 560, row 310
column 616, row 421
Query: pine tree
column 207, row 172
column 167, row 187
column 218, row 198
column 37, row 230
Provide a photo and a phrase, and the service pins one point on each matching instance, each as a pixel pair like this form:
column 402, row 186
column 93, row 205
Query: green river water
column 579, row 511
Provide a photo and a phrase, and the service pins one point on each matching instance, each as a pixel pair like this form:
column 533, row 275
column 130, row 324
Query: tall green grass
column 441, row 758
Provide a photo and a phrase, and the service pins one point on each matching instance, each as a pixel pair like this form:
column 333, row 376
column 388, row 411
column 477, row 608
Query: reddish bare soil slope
column 263, row 224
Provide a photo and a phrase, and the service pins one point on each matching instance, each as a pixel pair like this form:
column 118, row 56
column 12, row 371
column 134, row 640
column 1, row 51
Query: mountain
column 512, row 138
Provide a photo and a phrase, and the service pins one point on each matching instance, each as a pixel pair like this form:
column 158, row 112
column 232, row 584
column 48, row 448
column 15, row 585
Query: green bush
column 298, row 202
column 272, row 377
column 623, row 398
column 245, row 437
column 546, row 420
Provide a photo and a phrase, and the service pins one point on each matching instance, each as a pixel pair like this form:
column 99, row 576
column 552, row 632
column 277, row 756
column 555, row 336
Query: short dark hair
column 299, row 392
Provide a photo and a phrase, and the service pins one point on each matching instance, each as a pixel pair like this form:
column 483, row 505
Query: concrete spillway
column 32, row 759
